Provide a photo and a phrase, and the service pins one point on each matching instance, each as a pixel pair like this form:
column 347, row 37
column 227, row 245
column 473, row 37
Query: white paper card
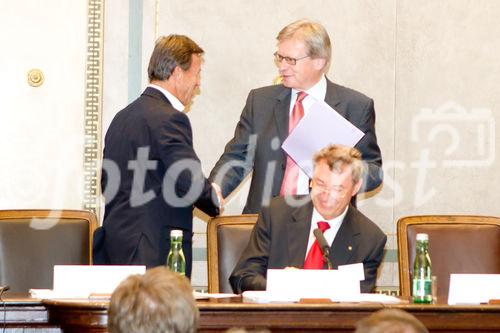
column 321, row 126
column 294, row 284
column 473, row 288
column 354, row 269
column 202, row 295
column 82, row 280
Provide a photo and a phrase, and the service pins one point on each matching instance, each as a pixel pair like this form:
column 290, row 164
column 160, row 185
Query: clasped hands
column 218, row 192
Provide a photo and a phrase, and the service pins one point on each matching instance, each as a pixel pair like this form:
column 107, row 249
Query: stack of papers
column 201, row 295
column 267, row 297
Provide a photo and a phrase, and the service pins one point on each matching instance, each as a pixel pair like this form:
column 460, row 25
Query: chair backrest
column 457, row 244
column 227, row 237
column 33, row 241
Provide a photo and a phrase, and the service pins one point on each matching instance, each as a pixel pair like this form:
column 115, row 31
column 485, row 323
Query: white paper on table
column 293, row 284
column 371, row 298
column 202, row 295
column 473, row 288
column 74, row 281
column 354, row 269
column 43, row 293
column 262, row 296
column 321, row 126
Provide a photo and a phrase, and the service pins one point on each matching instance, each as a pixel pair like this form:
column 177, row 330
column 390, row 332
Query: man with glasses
column 270, row 114
column 283, row 235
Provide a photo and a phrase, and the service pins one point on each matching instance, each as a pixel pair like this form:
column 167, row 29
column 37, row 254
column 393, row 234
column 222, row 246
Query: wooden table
column 217, row 315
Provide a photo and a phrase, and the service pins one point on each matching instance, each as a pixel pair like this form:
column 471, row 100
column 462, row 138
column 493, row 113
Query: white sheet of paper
column 321, row 126
column 81, row 280
column 293, row 284
column 201, row 295
column 354, row 269
column 473, row 288
column 263, row 296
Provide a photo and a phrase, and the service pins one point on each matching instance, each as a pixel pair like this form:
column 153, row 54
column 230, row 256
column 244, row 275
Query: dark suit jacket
column 139, row 233
column 279, row 239
column 262, row 128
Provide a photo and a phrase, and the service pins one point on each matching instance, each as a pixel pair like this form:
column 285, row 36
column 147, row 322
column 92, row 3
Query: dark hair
column 171, row 51
column 158, row 301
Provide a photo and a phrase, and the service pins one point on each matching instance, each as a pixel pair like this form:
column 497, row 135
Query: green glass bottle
column 176, row 261
column 422, row 272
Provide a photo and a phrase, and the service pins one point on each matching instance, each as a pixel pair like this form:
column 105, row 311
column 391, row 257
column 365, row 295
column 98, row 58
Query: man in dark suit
column 151, row 176
column 283, row 235
column 303, row 58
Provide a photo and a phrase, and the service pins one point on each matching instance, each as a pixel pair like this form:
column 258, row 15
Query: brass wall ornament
column 35, row 77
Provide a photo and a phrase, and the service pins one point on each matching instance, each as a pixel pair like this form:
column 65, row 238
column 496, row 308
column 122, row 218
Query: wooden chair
column 227, row 237
column 457, row 244
column 33, row 241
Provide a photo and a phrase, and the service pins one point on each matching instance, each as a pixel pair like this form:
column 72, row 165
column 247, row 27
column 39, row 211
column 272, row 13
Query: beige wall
column 41, row 128
column 430, row 66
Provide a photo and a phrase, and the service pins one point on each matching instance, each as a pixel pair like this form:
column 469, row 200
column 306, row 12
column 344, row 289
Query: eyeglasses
column 334, row 191
column 278, row 58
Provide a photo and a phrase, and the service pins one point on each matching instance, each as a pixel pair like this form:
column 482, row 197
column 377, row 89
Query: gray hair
column 158, row 301
column 314, row 36
column 337, row 156
column 390, row 321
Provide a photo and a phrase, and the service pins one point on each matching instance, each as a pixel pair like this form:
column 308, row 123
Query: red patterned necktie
column 291, row 177
column 314, row 259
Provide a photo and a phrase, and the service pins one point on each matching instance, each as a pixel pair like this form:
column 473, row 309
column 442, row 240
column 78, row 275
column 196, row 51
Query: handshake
column 220, row 198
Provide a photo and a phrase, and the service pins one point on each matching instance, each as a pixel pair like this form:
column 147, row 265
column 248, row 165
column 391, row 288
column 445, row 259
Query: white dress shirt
column 329, row 234
column 172, row 99
column 315, row 93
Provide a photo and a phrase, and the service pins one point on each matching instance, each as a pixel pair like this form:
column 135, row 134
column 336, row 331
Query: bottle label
column 422, row 287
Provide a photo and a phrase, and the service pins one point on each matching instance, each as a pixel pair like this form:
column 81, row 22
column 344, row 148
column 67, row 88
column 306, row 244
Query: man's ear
column 319, row 63
column 177, row 73
column 357, row 187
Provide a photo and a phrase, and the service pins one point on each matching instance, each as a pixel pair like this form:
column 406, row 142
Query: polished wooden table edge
column 236, row 303
column 218, row 315
column 76, row 303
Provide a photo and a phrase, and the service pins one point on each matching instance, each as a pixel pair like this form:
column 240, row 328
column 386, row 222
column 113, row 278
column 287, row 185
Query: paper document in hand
column 321, row 126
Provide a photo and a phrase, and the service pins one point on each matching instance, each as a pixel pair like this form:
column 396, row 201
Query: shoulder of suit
column 269, row 91
column 349, row 93
column 281, row 202
column 365, row 224
column 151, row 112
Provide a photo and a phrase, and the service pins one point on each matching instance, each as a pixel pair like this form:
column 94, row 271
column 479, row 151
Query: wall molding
column 93, row 106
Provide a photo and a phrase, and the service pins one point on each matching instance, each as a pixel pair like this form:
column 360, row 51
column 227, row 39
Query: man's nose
column 283, row 65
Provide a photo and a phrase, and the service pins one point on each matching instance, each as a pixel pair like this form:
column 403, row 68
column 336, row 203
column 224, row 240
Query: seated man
column 283, row 235
column 158, row 301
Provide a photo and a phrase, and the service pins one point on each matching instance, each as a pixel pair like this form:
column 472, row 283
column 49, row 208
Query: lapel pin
column 349, row 248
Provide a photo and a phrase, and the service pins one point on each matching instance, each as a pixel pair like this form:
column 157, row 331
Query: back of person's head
column 339, row 156
column 171, row 51
column 390, row 321
column 158, row 301
column 314, row 35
